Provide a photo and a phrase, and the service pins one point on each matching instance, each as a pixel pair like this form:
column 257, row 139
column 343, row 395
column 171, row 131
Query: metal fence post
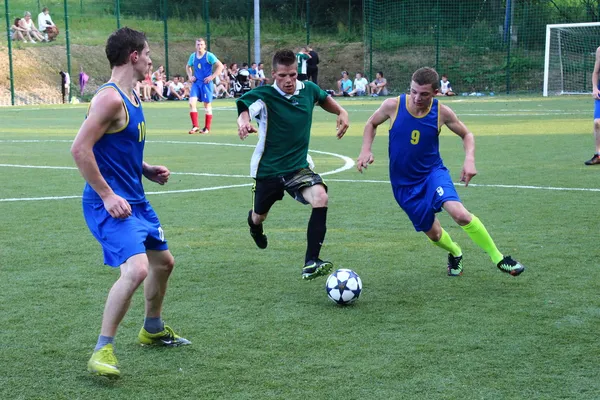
column 166, row 29
column 10, row 60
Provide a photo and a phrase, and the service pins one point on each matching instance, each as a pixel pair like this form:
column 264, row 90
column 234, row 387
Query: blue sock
column 103, row 341
column 153, row 324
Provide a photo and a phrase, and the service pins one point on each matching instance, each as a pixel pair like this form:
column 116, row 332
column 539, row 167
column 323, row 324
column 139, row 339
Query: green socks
column 482, row 238
column 447, row 244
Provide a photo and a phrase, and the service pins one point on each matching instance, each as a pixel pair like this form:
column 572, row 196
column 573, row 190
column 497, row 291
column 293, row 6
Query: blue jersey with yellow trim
column 202, row 66
column 414, row 144
column 119, row 154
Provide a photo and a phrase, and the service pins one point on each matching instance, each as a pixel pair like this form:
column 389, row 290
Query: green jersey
column 301, row 60
column 284, row 123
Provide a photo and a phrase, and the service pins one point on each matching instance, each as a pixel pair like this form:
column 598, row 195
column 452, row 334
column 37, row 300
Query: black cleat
column 594, row 160
column 313, row 269
column 455, row 265
column 510, row 266
column 257, row 233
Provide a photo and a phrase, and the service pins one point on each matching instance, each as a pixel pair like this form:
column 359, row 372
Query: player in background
column 421, row 183
column 280, row 162
column 595, row 160
column 301, row 59
column 445, row 87
column 108, row 151
column 201, row 73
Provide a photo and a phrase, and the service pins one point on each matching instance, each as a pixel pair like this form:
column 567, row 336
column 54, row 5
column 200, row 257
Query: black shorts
column 268, row 191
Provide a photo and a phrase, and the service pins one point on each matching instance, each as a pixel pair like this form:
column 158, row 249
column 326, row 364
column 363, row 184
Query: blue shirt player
column 108, row 151
column 595, row 160
column 421, row 183
column 201, row 73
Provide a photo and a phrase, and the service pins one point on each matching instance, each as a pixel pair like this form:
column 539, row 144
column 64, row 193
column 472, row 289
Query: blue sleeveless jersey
column 414, row 145
column 203, row 65
column 119, row 154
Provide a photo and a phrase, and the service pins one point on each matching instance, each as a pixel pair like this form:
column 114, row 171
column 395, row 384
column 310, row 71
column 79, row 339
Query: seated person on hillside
column 176, row 89
column 260, row 75
column 253, row 71
column 28, row 24
column 239, row 80
column 17, row 32
column 379, row 85
column 445, row 88
column 344, row 85
column 46, row 25
column 360, row 86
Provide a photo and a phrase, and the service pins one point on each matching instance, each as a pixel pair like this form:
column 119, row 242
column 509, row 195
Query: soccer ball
column 343, row 286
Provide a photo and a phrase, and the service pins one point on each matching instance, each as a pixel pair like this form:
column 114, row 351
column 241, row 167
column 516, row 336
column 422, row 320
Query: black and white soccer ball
column 343, row 286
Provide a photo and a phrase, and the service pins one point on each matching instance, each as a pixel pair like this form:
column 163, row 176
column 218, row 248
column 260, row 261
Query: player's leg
column 207, row 98
column 595, row 160
column 155, row 332
column 194, row 93
column 440, row 238
column 308, row 187
column 265, row 192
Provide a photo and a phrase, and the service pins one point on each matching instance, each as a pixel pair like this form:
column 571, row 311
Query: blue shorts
column 202, row 91
column 123, row 238
column 422, row 201
column 596, row 109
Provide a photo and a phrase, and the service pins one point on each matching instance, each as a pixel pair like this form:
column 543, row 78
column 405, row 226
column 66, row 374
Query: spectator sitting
column 19, row 33
column 221, row 86
column 176, row 90
column 157, row 83
column 344, row 85
column 46, row 25
column 260, row 75
column 445, row 88
column 379, row 85
column 28, row 24
column 360, row 86
column 253, row 71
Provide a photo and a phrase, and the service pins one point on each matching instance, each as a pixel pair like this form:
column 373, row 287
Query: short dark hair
column 426, row 76
column 45, row 9
column 283, row 57
column 121, row 43
column 380, row 73
column 444, row 76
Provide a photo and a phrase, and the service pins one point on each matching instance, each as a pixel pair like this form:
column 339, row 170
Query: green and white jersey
column 284, row 123
column 301, row 59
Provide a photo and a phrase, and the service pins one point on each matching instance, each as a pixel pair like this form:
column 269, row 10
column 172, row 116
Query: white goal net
column 569, row 58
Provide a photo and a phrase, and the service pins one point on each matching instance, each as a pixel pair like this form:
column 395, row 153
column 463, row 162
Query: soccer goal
column 569, row 58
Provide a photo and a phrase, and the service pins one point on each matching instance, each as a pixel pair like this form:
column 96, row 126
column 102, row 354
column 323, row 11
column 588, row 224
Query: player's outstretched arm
column 449, row 118
column 343, row 121
column 382, row 114
column 105, row 113
column 156, row 173
column 244, row 126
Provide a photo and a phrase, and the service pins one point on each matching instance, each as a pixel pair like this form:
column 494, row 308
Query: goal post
column 569, row 57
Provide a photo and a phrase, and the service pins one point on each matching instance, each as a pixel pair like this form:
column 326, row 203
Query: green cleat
column 455, row 265
column 104, row 363
column 510, row 266
column 313, row 269
column 165, row 338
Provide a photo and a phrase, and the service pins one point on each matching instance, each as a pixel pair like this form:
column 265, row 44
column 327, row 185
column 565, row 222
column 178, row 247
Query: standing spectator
column 200, row 73
column 379, row 85
column 311, row 65
column 301, row 58
column 360, row 86
column 28, row 24
column 46, row 25
column 20, row 33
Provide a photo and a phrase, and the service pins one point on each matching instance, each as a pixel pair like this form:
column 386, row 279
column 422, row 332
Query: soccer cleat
column 595, row 160
column 510, row 266
column 166, row 338
column 313, row 269
column 455, row 265
column 194, row 130
column 104, row 363
column 204, row 131
column 257, row 233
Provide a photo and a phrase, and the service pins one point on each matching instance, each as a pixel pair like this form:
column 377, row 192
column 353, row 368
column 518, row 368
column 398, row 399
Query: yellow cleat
column 165, row 338
column 104, row 363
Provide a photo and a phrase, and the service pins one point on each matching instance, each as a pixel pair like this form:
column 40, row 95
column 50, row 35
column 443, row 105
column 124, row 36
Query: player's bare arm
column 190, row 73
column 595, row 91
column 106, row 114
column 156, row 173
column 244, row 126
column 343, row 121
column 217, row 69
column 449, row 118
column 382, row 114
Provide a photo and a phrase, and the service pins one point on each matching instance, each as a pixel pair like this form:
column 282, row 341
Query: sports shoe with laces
column 204, row 131
column 257, row 233
column 104, row 363
column 595, row 160
column 455, row 265
column 315, row 268
column 195, row 129
column 510, row 266
column 167, row 337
